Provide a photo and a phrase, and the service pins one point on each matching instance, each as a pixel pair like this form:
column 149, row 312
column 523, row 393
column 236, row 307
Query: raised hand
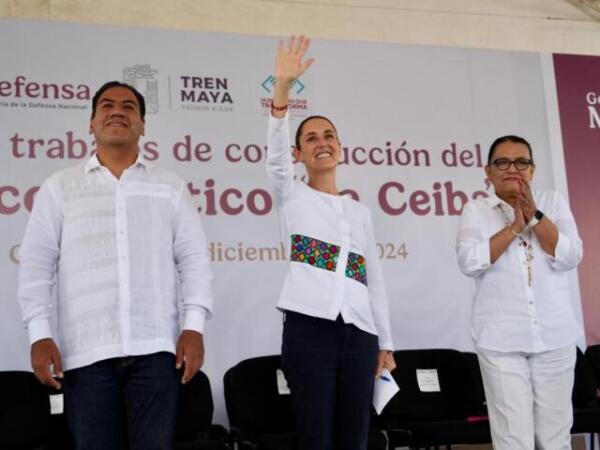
column 288, row 63
column 288, row 67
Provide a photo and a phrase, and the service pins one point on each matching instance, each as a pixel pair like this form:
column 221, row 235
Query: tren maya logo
column 205, row 93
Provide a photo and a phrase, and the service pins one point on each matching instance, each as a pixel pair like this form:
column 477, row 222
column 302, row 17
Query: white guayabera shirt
column 508, row 313
column 116, row 250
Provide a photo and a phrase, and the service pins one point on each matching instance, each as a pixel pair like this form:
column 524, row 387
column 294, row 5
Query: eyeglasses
column 521, row 164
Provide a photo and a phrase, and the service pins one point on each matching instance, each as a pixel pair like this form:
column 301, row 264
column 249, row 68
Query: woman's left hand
column 385, row 360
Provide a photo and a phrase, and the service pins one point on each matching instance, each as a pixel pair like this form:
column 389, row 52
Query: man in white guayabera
column 123, row 246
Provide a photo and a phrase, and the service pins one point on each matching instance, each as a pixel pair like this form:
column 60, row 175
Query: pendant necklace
column 525, row 243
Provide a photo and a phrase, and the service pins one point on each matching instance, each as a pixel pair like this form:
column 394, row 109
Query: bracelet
column 279, row 108
column 512, row 230
column 533, row 222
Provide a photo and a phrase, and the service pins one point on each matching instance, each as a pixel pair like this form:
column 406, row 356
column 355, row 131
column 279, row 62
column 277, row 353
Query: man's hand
column 385, row 360
column 44, row 356
column 190, row 353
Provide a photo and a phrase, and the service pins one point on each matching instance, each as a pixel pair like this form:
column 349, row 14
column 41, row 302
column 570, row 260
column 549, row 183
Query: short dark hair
column 112, row 84
column 301, row 126
column 508, row 138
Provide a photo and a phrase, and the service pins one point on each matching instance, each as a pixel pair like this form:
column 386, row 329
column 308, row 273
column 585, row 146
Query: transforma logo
column 267, row 85
column 21, row 88
column 143, row 78
column 296, row 106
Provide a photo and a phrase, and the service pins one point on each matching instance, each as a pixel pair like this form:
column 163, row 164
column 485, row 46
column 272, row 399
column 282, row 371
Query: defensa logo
column 593, row 104
column 201, row 93
column 25, row 93
column 23, row 88
column 297, row 107
column 143, row 78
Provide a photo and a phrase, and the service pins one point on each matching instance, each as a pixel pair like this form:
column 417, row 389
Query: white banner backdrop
column 415, row 123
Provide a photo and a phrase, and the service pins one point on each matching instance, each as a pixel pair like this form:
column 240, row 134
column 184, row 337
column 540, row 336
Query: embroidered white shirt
column 336, row 220
column 114, row 262
column 508, row 314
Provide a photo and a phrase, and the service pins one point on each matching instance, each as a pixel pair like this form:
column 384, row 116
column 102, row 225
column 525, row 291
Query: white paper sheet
column 385, row 388
column 282, row 386
column 56, row 404
column 428, row 380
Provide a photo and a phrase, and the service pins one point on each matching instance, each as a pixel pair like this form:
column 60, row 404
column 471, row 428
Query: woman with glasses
column 518, row 246
column 336, row 334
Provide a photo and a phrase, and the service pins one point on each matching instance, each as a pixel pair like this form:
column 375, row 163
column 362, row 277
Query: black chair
column 59, row 437
column 476, row 402
column 194, row 429
column 586, row 406
column 592, row 356
column 448, row 410
column 24, row 412
column 260, row 417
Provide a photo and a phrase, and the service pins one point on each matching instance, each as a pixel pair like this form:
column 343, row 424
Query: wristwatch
column 537, row 216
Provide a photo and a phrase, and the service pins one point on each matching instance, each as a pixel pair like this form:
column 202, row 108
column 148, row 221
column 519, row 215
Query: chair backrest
column 433, row 385
column 475, row 396
column 253, row 399
column 195, row 407
column 24, row 411
column 60, row 437
column 592, row 356
column 584, row 387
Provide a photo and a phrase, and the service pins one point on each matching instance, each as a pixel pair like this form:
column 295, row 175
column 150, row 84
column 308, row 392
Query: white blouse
column 508, row 313
column 334, row 267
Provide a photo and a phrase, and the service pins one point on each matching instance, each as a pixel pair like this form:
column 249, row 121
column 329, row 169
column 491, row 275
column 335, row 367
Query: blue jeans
column 120, row 401
column 330, row 368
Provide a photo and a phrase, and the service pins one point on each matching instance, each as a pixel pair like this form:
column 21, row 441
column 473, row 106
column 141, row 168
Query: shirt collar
column 94, row 163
